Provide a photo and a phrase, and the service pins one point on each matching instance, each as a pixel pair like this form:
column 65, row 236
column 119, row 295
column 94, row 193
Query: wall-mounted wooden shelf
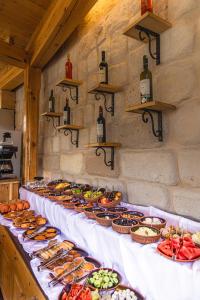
column 53, row 116
column 70, row 84
column 147, row 110
column 100, row 148
column 68, row 129
column 146, row 28
column 104, row 90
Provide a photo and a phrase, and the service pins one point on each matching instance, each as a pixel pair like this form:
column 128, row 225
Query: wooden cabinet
column 16, row 280
column 9, row 190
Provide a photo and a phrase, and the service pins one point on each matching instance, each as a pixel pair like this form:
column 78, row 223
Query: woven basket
column 144, row 239
column 158, row 226
column 123, row 228
column 105, row 222
column 91, row 214
column 112, row 203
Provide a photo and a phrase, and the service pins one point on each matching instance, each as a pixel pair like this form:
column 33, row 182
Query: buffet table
column 156, row 277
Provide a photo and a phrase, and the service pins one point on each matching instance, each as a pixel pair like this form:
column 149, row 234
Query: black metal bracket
column 145, row 118
column 75, row 141
column 98, row 95
column 108, row 163
column 55, row 124
column 150, row 35
column 70, row 88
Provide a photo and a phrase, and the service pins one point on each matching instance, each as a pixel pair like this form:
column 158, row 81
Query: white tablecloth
column 156, row 277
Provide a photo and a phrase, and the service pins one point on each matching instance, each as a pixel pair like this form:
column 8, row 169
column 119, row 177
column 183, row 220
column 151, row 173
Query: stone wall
column 166, row 175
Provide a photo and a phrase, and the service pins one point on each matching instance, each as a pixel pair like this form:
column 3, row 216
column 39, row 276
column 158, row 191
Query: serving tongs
column 51, row 244
column 63, row 274
column 59, row 255
column 36, row 232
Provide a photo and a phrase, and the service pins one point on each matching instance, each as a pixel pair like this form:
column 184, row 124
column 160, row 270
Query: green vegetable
column 103, row 279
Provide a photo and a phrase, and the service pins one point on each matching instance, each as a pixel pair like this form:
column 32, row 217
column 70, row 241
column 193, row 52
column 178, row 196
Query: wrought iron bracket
column 70, row 88
column 74, row 141
column 147, row 113
column 150, row 35
column 102, row 150
column 55, row 124
column 111, row 109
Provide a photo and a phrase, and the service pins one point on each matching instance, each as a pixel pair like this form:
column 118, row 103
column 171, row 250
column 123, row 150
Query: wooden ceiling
column 19, row 19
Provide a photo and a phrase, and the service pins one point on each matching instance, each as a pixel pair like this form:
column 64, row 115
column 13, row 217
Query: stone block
column 143, row 193
column 84, row 138
column 187, row 202
column 119, row 49
column 72, row 164
column 182, row 35
column 92, row 61
column 176, row 82
column 177, row 9
column 184, row 123
column 51, row 162
column 119, row 74
column 189, row 166
column 156, row 166
column 56, row 144
column 95, row 165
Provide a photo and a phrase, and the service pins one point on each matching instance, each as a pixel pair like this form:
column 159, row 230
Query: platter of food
column 179, row 249
column 14, row 214
column 104, row 279
column 123, row 225
column 80, row 207
column 92, row 196
column 174, row 232
column 73, row 271
column 29, row 222
column 43, row 234
column 145, row 234
column 106, row 218
column 18, row 205
column 196, row 238
column 91, row 212
column 153, row 221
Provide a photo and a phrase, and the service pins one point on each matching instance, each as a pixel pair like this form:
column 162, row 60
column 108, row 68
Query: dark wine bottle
column 66, row 112
column 146, row 87
column 103, row 69
column 101, row 127
column 51, row 102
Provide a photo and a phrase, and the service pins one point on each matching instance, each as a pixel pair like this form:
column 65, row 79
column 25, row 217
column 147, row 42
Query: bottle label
column 65, row 116
column 99, row 130
column 145, row 90
column 102, row 74
column 50, row 106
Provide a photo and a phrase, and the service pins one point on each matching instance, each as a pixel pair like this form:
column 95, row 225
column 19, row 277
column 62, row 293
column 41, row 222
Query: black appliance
column 7, row 150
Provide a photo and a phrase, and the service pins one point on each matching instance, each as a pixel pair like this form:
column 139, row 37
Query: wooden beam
column 60, row 20
column 12, row 54
column 11, row 79
column 32, row 83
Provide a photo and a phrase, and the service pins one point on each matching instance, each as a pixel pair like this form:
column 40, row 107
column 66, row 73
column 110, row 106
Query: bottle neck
column 103, row 56
column 100, row 112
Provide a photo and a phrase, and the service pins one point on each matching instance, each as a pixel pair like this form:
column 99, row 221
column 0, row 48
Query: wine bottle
column 146, row 88
column 101, row 127
column 68, row 68
column 51, row 102
column 66, row 112
column 103, row 69
column 146, row 5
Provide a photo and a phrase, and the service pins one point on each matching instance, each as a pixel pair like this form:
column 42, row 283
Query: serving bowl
column 91, row 212
column 105, row 218
column 144, row 239
column 160, row 225
column 117, row 210
column 132, row 215
column 123, row 225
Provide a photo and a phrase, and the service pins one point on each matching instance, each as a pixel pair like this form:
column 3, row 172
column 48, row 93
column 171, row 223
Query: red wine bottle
column 103, row 69
column 68, row 68
column 66, row 112
column 101, row 127
column 146, row 5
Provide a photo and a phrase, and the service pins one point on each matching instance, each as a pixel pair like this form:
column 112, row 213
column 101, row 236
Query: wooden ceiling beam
column 60, row 20
column 11, row 79
column 12, row 54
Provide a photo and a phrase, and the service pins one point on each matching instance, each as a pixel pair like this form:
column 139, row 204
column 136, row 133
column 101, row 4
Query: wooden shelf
column 149, row 21
column 52, row 114
column 106, row 88
column 69, row 82
column 151, row 105
column 70, row 126
column 105, row 145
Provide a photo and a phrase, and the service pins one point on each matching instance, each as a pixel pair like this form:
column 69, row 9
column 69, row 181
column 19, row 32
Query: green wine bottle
column 146, row 88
